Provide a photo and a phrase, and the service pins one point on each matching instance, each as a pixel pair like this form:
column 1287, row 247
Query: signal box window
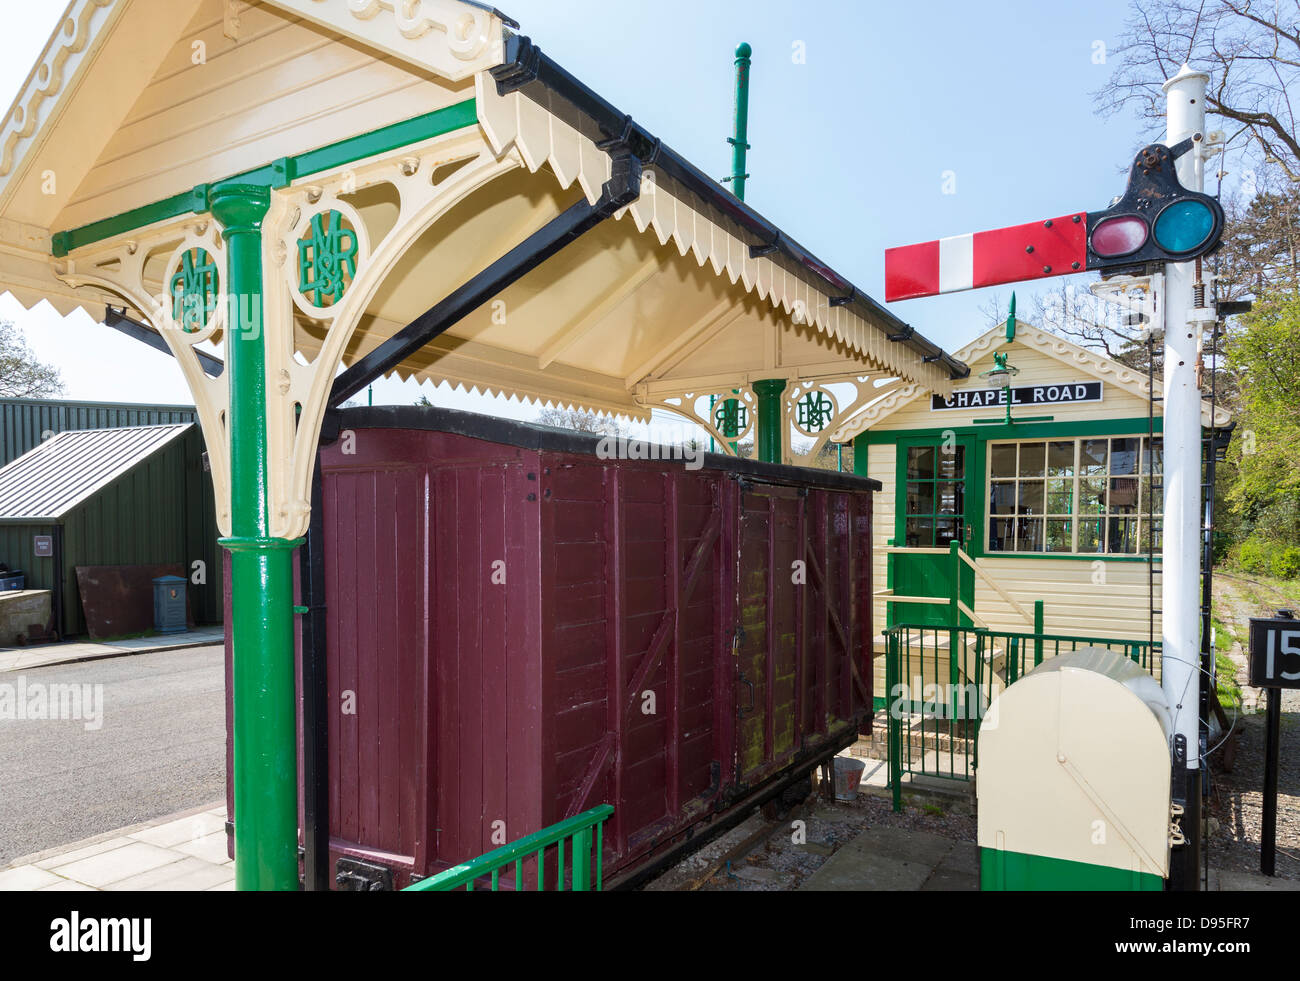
column 1080, row 497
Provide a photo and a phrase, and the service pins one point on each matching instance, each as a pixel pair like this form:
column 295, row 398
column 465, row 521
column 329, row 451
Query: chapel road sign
column 1275, row 653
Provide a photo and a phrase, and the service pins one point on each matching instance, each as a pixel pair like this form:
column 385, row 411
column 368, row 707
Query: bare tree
column 21, row 375
column 579, row 421
column 1251, row 49
column 1261, row 242
column 1112, row 327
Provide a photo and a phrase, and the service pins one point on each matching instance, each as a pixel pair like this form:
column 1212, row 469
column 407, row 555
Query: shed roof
column 71, row 467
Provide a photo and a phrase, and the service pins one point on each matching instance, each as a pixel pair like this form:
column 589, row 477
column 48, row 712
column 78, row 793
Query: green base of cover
column 1016, row 872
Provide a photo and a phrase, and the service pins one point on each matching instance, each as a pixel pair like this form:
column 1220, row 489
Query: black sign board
column 43, row 546
column 1066, row 393
column 1275, row 653
column 1274, row 665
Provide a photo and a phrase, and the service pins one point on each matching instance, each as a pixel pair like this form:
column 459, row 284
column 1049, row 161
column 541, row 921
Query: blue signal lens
column 1184, row 226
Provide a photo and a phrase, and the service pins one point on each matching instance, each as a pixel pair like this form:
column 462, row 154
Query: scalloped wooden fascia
column 66, row 53
column 451, row 39
column 514, row 121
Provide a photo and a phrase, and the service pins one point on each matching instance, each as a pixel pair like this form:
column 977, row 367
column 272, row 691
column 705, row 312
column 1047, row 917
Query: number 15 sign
column 1275, row 653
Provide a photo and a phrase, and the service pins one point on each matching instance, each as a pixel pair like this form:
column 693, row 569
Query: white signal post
column 1181, row 551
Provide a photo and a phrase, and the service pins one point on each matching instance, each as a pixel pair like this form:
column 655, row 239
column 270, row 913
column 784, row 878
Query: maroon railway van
column 517, row 629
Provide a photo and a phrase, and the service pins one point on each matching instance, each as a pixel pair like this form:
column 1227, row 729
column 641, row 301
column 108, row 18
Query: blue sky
column 850, row 144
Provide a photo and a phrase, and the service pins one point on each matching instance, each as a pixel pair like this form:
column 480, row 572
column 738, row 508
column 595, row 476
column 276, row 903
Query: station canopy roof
column 136, row 106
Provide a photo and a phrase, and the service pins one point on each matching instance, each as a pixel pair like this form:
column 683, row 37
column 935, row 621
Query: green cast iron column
column 860, row 452
column 266, row 778
column 740, row 142
column 770, row 441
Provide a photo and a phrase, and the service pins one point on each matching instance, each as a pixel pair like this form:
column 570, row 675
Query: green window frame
column 934, row 498
column 1079, row 496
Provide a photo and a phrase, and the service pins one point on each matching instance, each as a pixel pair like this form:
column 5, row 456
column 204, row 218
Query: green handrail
column 579, row 828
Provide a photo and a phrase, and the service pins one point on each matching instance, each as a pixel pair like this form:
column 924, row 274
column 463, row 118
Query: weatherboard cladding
column 49, row 481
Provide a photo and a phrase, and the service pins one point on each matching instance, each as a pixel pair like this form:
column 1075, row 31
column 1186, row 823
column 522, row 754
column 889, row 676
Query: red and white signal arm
column 1275, row 653
column 1054, row 247
column 1157, row 220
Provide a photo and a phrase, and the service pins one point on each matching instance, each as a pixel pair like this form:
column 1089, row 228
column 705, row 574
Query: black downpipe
column 315, row 699
column 623, row 188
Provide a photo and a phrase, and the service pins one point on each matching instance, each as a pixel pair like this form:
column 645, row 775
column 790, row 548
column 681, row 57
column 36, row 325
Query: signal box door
column 936, row 506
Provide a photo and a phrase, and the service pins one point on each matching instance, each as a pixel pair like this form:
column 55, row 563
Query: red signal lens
column 1119, row 236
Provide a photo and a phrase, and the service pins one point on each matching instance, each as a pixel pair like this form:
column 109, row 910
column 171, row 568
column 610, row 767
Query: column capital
column 239, row 208
column 769, row 387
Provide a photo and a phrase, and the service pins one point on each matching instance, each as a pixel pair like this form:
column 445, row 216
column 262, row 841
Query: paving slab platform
column 183, row 852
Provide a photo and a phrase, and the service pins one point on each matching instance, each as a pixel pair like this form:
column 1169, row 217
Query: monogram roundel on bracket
column 194, row 288
column 814, row 411
column 730, row 413
column 327, row 258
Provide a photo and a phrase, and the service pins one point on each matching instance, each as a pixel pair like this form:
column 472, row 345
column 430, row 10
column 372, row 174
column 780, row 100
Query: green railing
column 940, row 680
column 583, row 835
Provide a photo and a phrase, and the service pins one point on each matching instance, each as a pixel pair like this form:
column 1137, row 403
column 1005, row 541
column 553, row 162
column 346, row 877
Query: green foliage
column 1285, row 562
column 1225, row 681
column 1252, row 556
column 1265, row 453
column 1262, row 556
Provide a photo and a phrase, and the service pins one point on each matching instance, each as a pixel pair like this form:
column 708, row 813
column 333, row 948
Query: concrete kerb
column 74, row 846
column 28, row 658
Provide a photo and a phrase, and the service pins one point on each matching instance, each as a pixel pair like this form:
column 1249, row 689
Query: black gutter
column 621, row 190
column 530, row 72
column 118, row 320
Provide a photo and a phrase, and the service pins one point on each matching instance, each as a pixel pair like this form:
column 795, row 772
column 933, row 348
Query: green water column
column 770, row 441
column 740, row 142
column 266, row 778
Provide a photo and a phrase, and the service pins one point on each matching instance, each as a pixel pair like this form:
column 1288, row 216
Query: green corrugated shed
column 24, row 423
column 127, row 496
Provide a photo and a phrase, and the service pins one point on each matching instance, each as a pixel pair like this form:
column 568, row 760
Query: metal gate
column 941, row 680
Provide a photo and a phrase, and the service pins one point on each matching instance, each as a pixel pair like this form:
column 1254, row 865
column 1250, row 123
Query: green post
column 266, row 779
column 1038, row 632
column 771, row 420
column 955, row 636
column 730, row 419
column 894, row 719
column 861, row 458
column 581, row 861
column 740, row 142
